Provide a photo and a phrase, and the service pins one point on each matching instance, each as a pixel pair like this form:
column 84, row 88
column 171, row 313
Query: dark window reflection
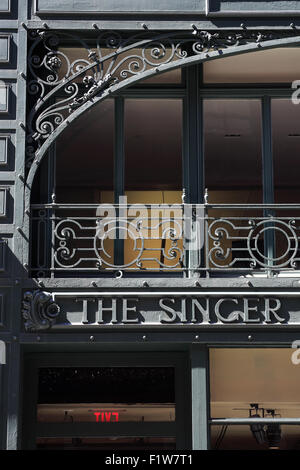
column 106, row 384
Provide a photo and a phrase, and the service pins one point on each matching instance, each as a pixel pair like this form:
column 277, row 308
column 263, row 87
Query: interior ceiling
column 264, row 376
column 255, row 67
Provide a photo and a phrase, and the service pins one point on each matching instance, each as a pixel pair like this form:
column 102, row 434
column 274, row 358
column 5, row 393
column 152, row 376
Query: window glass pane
column 107, row 394
column 286, row 150
column 255, row 67
column 84, row 157
column 153, row 150
column 233, row 175
column 241, row 377
column 232, row 145
column 107, row 443
column 153, row 175
column 244, row 437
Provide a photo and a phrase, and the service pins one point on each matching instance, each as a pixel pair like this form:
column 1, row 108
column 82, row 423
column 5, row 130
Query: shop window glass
column 106, row 395
column 107, row 443
column 254, row 382
column 242, row 437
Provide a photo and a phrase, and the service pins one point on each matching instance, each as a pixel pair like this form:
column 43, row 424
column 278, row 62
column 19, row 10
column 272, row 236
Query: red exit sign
column 106, row 416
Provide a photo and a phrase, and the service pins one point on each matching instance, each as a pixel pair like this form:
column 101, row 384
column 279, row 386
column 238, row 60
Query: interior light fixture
column 232, row 135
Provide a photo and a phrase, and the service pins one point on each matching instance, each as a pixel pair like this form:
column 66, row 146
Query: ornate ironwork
column 83, row 240
column 59, row 83
column 159, row 237
column 39, row 310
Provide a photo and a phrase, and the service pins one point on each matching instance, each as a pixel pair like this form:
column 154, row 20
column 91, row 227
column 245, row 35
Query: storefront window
column 107, row 443
column 254, row 383
column 69, row 398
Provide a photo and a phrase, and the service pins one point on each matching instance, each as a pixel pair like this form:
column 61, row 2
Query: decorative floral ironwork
column 59, row 82
column 39, row 310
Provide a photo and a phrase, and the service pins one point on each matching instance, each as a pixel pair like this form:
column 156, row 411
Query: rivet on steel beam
column 21, row 177
column 145, row 284
column 95, row 26
column 25, row 265
column 157, row 70
column 259, row 44
column 206, row 55
column 22, row 75
column 24, row 26
column 250, row 338
column 292, row 25
column 27, row 212
column 92, row 338
column 144, row 337
column 144, row 26
column 22, row 125
column 41, row 284
column 197, row 284
column 243, row 26
column 94, row 284
column 36, row 162
column 197, row 337
column 45, row 26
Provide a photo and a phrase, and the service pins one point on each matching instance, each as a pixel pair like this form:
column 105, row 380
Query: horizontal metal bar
column 164, row 206
column 249, row 421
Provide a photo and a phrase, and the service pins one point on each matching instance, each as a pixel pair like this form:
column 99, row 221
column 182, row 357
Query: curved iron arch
column 204, row 46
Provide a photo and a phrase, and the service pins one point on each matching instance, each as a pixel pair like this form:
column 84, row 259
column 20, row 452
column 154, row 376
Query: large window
column 254, row 384
column 230, row 147
column 123, row 401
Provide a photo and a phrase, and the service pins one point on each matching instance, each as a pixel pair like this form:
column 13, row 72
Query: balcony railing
column 196, row 239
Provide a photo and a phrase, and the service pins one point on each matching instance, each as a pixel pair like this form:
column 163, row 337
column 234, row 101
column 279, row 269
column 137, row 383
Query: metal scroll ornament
column 59, row 80
column 39, row 310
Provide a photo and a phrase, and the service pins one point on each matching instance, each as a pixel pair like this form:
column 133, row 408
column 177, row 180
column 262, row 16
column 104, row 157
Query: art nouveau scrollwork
column 39, row 310
column 60, row 81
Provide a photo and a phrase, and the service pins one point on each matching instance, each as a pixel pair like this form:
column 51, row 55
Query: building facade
column 150, row 223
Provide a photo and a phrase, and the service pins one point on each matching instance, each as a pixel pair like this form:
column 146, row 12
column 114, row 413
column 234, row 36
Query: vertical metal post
column 194, row 179
column 268, row 180
column 200, row 397
column 51, row 213
column 2, row 414
column 13, row 405
column 119, row 174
